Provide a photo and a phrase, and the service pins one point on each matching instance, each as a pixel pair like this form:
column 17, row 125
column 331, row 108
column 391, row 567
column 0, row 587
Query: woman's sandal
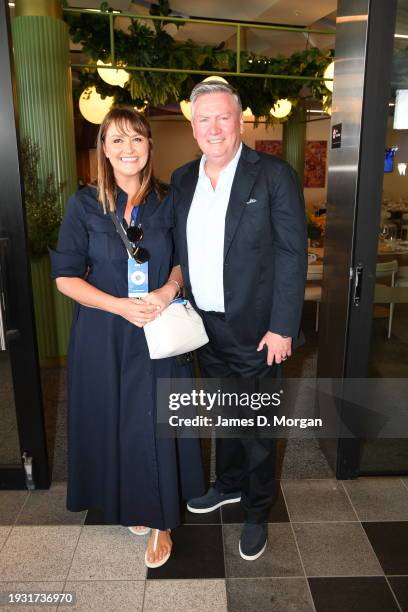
column 154, row 564
column 140, row 531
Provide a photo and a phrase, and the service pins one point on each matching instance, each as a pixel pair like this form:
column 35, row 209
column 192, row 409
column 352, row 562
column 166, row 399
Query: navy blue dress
column 115, row 461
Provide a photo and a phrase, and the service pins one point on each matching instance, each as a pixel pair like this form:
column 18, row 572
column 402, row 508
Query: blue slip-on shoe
column 212, row 500
column 253, row 541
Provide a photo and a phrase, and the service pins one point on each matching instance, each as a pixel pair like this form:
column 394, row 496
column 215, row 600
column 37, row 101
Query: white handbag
column 178, row 330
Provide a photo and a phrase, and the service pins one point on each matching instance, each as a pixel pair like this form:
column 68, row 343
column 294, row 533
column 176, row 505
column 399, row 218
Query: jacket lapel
column 245, row 175
column 184, row 199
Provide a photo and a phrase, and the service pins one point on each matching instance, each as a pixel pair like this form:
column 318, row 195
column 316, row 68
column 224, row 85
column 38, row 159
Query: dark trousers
column 246, row 465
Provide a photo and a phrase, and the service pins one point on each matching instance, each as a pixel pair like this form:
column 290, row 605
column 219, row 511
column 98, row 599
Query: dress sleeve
column 71, row 254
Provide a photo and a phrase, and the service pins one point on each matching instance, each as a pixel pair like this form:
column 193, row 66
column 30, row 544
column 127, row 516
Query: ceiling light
column 281, row 109
column 328, row 74
column 400, row 35
column 112, row 75
column 92, row 106
column 215, row 78
column 185, row 106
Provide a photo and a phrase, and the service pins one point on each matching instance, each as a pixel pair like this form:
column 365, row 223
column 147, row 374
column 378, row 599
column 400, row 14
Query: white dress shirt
column 205, row 236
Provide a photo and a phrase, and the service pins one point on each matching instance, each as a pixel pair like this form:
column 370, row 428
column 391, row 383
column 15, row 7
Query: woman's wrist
column 175, row 287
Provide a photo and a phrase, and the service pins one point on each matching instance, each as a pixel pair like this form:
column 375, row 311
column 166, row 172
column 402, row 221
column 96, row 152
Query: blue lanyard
column 133, row 216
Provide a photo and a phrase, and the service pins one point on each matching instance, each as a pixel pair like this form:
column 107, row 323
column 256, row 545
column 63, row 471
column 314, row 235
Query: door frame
column 354, row 172
column 19, row 309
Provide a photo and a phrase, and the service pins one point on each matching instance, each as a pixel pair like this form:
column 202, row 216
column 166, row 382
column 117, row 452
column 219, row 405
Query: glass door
column 23, row 453
column 388, row 349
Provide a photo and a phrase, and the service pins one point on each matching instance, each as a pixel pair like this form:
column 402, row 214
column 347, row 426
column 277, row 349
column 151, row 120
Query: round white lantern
column 185, row 106
column 329, row 74
column 281, row 109
column 111, row 75
column 215, row 78
column 92, row 106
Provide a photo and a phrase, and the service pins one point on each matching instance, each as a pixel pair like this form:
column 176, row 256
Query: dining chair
column 402, row 277
column 313, row 292
column 388, row 269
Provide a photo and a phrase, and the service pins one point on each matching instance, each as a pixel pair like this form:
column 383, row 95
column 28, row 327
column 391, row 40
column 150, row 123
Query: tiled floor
column 333, row 546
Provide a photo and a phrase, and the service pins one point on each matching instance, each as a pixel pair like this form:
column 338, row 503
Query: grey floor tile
column 378, row 499
column 405, row 482
column 48, row 508
column 109, row 596
column 185, row 595
column 336, row 549
column 304, row 459
column 4, row 531
column 107, row 552
column 280, row 558
column 11, row 503
column 269, row 595
column 317, row 500
column 33, row 588
column 38, row 553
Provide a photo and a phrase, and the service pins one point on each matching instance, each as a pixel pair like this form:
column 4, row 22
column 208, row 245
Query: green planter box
column 53, row 313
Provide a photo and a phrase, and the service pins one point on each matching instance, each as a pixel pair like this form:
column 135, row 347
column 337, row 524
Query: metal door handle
column 3, row 343
column 358, row 283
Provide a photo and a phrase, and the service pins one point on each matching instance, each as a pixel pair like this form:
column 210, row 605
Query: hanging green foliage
column 142, row 45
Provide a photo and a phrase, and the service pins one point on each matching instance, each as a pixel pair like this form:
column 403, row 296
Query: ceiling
column 293, row 12
column 318, row 14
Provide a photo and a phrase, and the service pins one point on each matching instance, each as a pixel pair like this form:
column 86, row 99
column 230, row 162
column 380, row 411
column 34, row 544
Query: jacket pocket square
column 251, row 201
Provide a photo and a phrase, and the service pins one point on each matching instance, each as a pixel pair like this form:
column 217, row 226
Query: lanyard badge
column 138, row 279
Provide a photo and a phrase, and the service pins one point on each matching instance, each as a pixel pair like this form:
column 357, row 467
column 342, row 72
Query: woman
column 115, row 461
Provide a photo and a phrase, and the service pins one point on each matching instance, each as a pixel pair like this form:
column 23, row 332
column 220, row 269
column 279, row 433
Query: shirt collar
column 230, row 167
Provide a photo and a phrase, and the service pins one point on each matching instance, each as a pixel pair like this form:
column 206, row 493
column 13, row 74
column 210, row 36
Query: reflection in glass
column 389, row 338
column 9, row 442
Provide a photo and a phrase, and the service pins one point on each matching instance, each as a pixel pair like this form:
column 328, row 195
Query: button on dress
column 115, row 461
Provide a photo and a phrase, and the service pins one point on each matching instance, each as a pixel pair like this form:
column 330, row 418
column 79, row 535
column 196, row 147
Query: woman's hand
column 162, row 297
column 137, row 311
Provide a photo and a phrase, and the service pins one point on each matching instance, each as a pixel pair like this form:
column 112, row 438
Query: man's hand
column 279, row 349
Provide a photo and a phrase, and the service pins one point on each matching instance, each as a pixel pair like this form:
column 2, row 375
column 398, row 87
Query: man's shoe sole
column 252, row 557
column 211, row 508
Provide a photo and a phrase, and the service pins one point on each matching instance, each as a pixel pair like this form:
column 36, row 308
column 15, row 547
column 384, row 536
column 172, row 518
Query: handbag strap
column 121, row 231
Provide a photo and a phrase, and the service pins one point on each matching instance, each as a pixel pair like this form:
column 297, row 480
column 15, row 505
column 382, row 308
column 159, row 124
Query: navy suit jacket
column 265, row 244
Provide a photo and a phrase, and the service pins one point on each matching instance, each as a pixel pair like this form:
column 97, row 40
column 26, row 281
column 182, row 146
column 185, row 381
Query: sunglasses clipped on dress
column 135, row 235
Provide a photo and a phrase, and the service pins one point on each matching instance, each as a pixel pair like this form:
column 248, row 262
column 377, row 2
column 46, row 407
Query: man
column 242, row 243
